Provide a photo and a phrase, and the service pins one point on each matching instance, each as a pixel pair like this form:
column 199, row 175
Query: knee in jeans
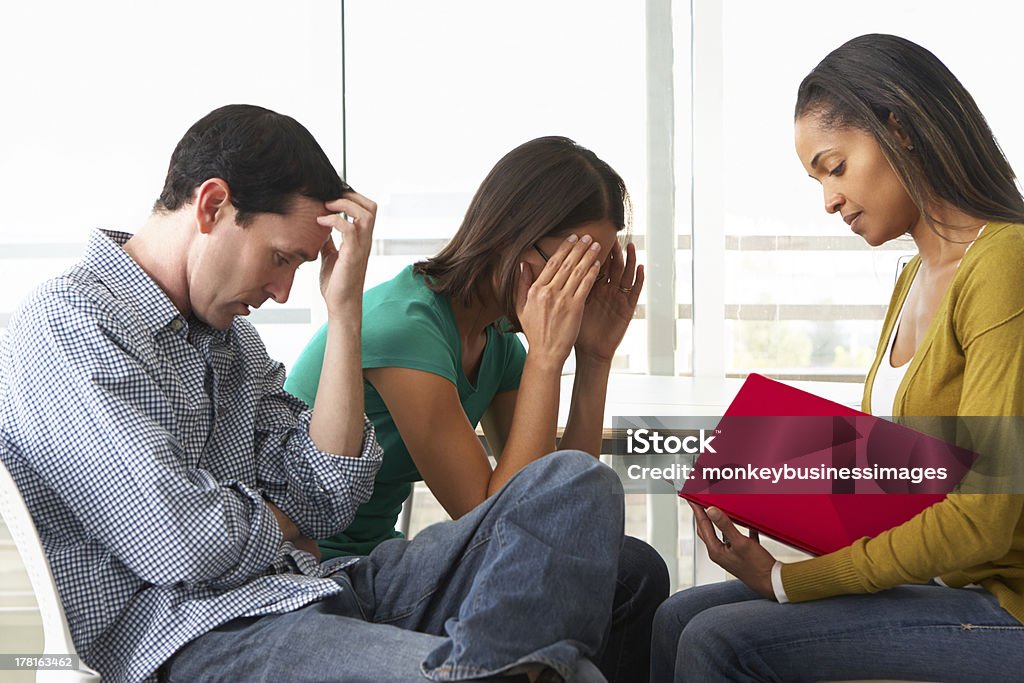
column 682, row 621
column 706, row 634
column 575, row 483
column 643, row 569
column 665, row 631
column 562, row 466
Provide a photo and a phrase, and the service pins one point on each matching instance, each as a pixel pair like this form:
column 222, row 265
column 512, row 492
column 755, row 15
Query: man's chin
column 218, row 322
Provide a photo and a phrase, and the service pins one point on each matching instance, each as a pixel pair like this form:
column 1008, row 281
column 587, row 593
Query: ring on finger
column 625, row 290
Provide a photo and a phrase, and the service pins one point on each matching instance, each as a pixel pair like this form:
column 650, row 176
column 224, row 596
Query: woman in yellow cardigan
column 899, row 147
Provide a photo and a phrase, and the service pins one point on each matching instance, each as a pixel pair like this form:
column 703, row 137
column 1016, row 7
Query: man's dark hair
column 266, row 159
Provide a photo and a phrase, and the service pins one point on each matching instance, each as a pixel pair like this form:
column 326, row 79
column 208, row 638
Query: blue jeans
column 525, row 579
column 726, row 632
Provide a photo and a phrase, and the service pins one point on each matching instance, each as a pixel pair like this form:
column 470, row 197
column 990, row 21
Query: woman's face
column 857, row 179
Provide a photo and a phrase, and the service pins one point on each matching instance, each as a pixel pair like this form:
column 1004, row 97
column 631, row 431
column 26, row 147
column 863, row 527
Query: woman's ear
column 896, row 128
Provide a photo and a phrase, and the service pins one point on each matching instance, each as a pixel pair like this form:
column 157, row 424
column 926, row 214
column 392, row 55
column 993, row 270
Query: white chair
column 56, row 636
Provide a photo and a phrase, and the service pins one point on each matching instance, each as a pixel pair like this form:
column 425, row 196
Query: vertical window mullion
column 661, row 237
column 708, row 207
column 707, row 171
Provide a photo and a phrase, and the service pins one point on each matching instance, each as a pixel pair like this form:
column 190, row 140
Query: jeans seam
column 850, row 635
column 497, row 536
column 983, row 627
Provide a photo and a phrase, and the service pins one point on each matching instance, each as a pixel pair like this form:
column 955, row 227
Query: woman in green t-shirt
column 537, row 253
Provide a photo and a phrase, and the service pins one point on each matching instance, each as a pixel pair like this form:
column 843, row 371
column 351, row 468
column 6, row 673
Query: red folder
column 817, row 523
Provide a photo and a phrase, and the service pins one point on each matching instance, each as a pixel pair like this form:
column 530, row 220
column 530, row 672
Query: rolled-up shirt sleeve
column 319, row 491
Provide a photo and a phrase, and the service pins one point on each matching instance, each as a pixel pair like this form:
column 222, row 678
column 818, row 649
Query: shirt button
column 177, row 324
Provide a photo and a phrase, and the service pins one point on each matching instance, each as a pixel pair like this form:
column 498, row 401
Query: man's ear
column 896, row 128
column 212, row 203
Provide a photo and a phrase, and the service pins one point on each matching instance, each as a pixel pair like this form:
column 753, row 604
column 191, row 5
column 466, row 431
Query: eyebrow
column 301, row 254
column 816, row 157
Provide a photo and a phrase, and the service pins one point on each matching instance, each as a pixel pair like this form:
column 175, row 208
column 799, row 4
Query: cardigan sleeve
column 963, row 531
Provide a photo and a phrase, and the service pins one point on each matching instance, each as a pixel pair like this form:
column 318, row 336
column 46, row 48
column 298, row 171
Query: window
column 803, row 296
column 93, row 115
column 437, row 93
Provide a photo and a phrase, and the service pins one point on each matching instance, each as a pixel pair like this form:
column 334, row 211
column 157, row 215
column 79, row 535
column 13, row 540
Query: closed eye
column 838, row 170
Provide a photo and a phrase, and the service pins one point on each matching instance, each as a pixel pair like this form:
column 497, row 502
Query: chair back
column 56, row 635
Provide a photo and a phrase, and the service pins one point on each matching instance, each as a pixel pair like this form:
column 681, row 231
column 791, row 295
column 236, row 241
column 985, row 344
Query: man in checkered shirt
column 177, row 488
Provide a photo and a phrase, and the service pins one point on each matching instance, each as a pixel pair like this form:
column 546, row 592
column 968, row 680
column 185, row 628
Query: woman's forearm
column 585, row 426
column 535, row 419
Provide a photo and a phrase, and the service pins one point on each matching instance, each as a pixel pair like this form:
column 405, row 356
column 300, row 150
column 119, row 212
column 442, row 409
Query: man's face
column 236, row 269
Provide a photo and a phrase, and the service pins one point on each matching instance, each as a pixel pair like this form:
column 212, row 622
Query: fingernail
column 587, row 239
column 571, row 239
column 596, row 246
column 714, row 514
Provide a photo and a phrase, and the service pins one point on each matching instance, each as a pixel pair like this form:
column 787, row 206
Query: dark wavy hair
column 266, row 158
column 954, row 156
column 544, row 187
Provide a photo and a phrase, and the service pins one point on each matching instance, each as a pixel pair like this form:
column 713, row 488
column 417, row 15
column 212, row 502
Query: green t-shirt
column 406, row 325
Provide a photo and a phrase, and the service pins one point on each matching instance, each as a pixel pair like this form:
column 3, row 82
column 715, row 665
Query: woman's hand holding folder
column 743, row 557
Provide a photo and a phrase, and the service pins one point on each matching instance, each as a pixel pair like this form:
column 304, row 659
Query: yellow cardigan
column 971, row 362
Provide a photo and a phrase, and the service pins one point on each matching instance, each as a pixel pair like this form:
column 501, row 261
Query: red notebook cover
column 817, row 523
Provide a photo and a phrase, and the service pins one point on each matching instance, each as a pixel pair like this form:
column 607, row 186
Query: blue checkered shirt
column 145, row 446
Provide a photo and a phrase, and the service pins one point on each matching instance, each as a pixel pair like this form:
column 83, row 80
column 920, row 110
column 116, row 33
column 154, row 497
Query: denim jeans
column 526, row 578
column 726, row 632
column 641, row 586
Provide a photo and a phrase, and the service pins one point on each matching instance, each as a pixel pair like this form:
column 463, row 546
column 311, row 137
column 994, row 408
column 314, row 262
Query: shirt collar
column 106, row 257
